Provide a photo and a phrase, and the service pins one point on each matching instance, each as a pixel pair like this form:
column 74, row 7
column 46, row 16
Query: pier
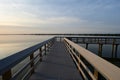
column 101, row 41
column 59, row 58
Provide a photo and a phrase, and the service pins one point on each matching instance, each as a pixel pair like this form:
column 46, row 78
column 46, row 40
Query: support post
column 40, row 54
column 96, row 74
column 7, row 75
column 45, row 49
column 86, row 45
column 100, row 50
column 113, row 49
column 116, row 47
column 32, row 62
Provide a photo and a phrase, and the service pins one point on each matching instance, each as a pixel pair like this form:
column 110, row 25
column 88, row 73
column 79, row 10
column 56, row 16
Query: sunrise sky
column 59, row 16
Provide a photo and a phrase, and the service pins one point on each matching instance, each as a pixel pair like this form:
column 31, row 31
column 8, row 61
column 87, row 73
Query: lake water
column 10, row 44
column 106, row 52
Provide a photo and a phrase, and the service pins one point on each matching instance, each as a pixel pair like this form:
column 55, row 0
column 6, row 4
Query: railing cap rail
column 107, row 69
column 97, row 37
column 10, row 61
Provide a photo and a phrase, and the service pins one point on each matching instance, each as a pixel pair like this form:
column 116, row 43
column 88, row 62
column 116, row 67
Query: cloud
column 59, row 20
column 76, row 15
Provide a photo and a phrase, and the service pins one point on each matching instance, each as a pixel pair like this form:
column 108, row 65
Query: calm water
column 10, row 44
column 107, row 50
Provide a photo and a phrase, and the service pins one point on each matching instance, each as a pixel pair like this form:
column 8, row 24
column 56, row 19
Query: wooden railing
column 91, row 66
column 95, row 39
column 101, row 41
column 28, row 58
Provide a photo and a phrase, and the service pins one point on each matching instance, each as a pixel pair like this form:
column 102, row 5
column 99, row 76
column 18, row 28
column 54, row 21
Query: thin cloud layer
column 76, row 16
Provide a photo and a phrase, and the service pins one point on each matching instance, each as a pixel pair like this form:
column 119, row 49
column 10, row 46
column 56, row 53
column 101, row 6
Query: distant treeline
column 69, row 34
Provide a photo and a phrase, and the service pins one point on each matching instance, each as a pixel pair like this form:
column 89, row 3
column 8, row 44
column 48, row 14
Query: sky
column 59, row 16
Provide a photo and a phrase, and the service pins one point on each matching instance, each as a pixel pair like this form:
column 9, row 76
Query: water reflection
column 10, row 44
column 106, row 52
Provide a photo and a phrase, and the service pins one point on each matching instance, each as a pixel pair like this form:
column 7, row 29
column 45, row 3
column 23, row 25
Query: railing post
column 86, row 45
column 113, row 49
column 100, row 50
column 45, row 49
column 7, row 75
column 32, row 62
column 116, row 47
column 40, row 53
column 96, row 74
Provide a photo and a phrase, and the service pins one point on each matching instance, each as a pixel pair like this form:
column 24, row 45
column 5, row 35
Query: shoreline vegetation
column 69, row 34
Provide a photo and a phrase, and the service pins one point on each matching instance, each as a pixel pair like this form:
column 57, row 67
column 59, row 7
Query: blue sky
column 59, row 16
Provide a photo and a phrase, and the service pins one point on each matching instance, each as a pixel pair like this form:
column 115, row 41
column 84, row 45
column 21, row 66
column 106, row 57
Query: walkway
column 57, row 65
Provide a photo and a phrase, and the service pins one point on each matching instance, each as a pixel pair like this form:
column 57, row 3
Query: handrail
column 100, row 66
column 95, row 40
column 9, row 62
column 97, row 37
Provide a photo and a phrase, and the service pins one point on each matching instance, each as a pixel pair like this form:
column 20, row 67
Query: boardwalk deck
column 57, row 65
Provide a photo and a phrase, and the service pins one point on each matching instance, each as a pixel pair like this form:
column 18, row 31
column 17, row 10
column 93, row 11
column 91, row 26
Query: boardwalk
column 57, row 65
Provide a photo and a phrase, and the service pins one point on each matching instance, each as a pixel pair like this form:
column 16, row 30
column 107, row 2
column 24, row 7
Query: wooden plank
column 57, row 65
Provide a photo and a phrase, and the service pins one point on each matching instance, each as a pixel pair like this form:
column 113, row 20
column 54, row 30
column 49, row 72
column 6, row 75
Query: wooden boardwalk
column 57, row 65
